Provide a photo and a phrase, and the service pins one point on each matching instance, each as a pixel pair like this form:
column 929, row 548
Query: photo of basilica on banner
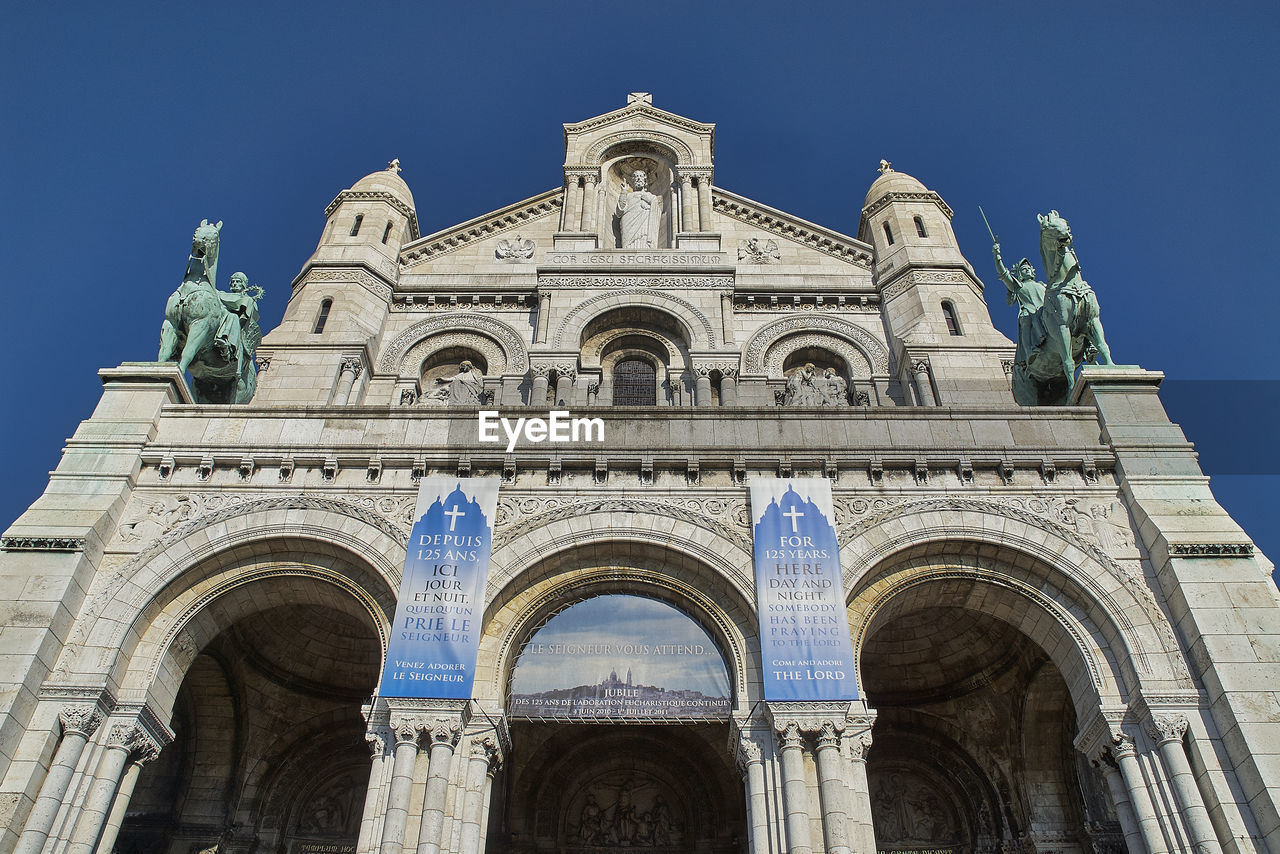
column 636, row 514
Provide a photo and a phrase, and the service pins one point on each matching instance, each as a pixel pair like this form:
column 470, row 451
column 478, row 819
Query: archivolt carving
column 1021, row 510
column 676, row 149
column 494, row 357
column 873, row 352
column 685, row 312
column 776, row 355
column 591, row 355
column 517, row 357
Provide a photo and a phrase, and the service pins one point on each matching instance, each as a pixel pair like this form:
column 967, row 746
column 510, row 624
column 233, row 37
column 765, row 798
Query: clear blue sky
column 1153, row 127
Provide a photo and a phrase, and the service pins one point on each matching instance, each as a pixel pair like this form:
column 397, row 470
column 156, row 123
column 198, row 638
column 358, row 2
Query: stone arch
column 135, row 626
column 1035, row 569
column 868, row 348
column 694, row 322
column 664, row 144
column 591, row 354
column 775, row 357
column 495, row 358
column 515, row 354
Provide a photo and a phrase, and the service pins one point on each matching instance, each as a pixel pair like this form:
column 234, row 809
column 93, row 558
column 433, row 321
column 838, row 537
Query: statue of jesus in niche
column 636, row 209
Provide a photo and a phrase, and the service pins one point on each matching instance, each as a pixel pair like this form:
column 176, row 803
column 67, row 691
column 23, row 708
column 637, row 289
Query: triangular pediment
column 638, row 110
column 792, row 228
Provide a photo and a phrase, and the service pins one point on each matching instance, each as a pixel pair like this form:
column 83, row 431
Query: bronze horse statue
column 211, row 334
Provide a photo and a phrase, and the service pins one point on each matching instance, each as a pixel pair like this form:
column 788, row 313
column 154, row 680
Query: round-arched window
column 635, row 383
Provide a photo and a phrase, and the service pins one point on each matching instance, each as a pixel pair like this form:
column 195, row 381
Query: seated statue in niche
column 636, row 209
column 835, row 391
column 463, row 389
column 805, row 388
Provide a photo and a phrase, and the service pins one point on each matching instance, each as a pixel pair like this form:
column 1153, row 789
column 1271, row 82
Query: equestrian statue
column 212, row 333
column 1059, row 322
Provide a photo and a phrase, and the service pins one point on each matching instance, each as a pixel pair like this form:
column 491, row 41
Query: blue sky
column 1151, row 126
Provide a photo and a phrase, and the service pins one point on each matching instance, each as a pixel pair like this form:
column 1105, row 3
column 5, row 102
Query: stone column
column 1126, row 756
column 120, row 805
column 860, row 806
column 795, row 794
column 590, row 203
column 831, row 788
column 572, row 203
column 373, row 791
column 704, row 203
column 1167, row 731
column 444, row 736
column 122, row 742
column 350, row 372
column 78, row 723
column 541, row 381
column 750, row 761
column 726, row 316
column 1120, row 798
column 688, row 205
column 729, row 387
column 397, row 814
column 924, row 387
column 564, row 385
column 702, row 386
column 484, row 756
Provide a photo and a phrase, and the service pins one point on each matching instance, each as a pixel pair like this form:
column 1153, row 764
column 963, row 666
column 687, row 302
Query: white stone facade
column 1065, row 644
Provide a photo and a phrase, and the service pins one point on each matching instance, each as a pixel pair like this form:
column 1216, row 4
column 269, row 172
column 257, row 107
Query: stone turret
column 341, row 297
column 948, row 353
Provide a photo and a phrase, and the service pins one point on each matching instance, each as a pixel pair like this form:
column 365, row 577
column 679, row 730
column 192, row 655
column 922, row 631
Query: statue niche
column 639, row 201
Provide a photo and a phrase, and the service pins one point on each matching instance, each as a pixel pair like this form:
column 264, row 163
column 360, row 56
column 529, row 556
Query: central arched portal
column 619, row 706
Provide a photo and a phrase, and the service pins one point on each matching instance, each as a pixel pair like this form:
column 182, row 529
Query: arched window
column 355, row 226
column 386, row 232
column 949, row 313
column 888, row 233
column 635, row 383
column 919, row 227
column 322, row 317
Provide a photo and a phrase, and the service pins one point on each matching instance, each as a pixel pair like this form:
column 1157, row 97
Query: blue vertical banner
column 436, row 633
column 805, row 649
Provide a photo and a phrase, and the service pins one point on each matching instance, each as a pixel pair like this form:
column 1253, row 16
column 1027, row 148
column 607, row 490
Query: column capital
column 354, row 364
column 141, row 746
column 789, row 734
column 855, row 746
column 1165, row 727
column 406, row 729
column 1122, row 745
column 829, row 734
column 377, row 742
column 82, row 719
column 446, row 730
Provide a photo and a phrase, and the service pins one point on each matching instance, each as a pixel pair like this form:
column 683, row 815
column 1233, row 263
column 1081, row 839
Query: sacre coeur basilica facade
column 1060, row 641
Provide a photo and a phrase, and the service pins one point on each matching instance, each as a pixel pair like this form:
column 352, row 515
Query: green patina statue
column 210, row 333
column 1059, row 322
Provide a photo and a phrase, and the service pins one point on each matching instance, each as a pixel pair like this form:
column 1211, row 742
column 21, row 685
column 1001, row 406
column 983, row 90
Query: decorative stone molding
column 774, row 302
column 494, row 356
column 508, row 218
column 436, row 302
column 805, row 233
column 909, row 278
column 350, row 275
column 651, row 282
column 901, row 196
column 1211, row 549
column 700, row 328
column 82, row 719
column 517, row 357
column 676, row 149
column 42, row 544
column 377, row 196
column 873, row 353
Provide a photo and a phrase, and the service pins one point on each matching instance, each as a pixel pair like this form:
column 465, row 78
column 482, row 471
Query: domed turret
column 892, row 181
column 376, row 211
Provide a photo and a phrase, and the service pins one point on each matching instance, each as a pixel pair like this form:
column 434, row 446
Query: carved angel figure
column 514, row 250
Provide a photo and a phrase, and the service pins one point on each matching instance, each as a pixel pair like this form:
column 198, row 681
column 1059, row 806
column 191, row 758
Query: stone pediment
column 508, row 219
column 792, row 228
column 687, row 142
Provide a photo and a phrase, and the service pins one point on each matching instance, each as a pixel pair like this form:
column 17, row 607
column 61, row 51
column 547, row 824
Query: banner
column 436, row 633
column 804, row 632
column 620, row 656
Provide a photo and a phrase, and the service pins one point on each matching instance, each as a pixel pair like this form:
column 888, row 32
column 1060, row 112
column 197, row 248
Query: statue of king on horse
column 211, row 333
column 1059, row 322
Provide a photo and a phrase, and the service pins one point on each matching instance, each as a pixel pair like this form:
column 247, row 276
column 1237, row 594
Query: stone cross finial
column 639, row 98
column 885, row 166
column 394, row 166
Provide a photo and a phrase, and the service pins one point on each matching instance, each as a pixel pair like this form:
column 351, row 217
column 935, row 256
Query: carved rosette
column 81, row 719
column 1167, row 727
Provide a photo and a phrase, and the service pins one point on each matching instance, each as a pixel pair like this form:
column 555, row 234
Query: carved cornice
column 901, row 196
column 376, row 196
column 619, row 282
column 1211, row 549
column 42, row 544
column 352, row 275
column 899, row 283
column 635, row 109
column 480, row 228
column 774, row 221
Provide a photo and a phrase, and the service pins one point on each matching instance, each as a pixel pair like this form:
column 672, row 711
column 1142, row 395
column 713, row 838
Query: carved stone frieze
column 651, row 282
column 42, row 544
column 355, row 276
column 1211, row 549
column 517, row 357
column 924, row 277
column 702, row 332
